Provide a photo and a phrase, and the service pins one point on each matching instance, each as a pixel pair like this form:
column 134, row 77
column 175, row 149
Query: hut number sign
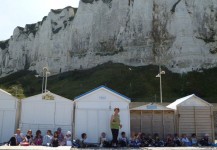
column 102, row 97
column 151, row 107
column 48, row 97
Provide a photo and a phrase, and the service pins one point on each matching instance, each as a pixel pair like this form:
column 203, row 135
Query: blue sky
column 15, row 13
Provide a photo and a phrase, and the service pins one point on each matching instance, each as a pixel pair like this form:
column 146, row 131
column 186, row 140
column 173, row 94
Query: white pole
column 42, row 81
column 45, row 82
column 161, row 97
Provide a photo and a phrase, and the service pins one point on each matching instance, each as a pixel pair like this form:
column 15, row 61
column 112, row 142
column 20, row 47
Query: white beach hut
column 9, row 115
column 46, row 111
column 152, row 118
column 93, row 111
column 193, row 115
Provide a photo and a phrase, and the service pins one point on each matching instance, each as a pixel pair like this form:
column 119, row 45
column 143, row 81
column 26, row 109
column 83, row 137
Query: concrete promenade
column 69, row 148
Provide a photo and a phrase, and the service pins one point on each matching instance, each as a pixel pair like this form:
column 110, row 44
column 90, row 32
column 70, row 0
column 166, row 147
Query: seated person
column 47, row 138
column 144, row 140
column 104, row 141
column 68, row 138
column 60, row 136
column 19, row 137
column 135, row 140
column 38, row 140
column 205, row 141
column 150, row 140
column 84, row 141
column 55, row 141
column 169, row 141
column 12, row 141
column 194, row 140
column 185, row 140
column 29, row 137
column 157, row 142
column 123, row 140
column 177, row 141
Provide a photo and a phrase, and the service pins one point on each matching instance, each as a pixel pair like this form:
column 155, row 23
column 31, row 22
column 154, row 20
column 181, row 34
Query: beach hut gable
column 151, row 106
column 191, row 100
column 101, row 94
column 46, row 97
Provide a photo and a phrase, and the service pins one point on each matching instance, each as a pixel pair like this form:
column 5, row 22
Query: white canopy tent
column 46, row 111
column 9, row 115
column 193, row 115
column 93, row 111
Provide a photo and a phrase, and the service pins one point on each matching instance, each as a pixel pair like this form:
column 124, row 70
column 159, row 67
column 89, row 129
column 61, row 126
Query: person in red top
column 38, row 140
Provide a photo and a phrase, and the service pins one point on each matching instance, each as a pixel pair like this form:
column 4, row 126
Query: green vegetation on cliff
column 138, row 83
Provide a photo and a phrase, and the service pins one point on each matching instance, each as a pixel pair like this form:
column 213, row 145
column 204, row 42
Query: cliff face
column 180, row 34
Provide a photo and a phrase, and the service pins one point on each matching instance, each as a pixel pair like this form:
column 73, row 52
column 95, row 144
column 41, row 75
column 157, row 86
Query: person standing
column 115, row 126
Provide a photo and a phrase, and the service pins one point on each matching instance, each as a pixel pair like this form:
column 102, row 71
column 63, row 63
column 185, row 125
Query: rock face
column 179, row 34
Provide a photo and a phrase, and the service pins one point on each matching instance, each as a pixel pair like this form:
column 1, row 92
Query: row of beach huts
column 90, row 113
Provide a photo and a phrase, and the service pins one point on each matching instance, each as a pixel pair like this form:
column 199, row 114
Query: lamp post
column 159, row 76
column 45, row 73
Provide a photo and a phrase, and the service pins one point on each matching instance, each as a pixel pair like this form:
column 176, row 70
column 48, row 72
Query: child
column 83, row 140
column 68, row 139
column 55, row 141
column 134, row 140
column 150, row 141
column 103, row 140
column 144, row 140
column 123, row 140
column 177, row 140
column 38, row 140
column 157, row 142
column 205, row 141
column 29, row 137
column 194, row 140
column 169, row 141
column 47, row 138
column 60, row 136
column 185, row 140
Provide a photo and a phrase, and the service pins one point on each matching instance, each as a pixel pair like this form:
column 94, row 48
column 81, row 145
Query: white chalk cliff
column 179, row 34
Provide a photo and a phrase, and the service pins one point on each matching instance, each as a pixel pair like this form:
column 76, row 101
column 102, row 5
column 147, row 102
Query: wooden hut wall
column 195, row 119
column 153, row 121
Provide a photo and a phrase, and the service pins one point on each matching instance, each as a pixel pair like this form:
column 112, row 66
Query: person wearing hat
column 115, row 125
column 68, row 138
column 205, row 140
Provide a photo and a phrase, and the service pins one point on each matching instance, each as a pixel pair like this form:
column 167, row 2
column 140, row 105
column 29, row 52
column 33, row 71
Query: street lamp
column 45, row 73
column 159, row 76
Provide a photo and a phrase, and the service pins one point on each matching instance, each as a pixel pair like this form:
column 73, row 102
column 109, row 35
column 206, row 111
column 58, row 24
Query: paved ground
column 69, row 148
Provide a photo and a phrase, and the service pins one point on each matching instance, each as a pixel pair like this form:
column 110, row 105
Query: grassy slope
column 139, row 83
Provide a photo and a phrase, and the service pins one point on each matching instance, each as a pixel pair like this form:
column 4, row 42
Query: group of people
column 136, row 139
column 49, row 139
column 146, row 140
